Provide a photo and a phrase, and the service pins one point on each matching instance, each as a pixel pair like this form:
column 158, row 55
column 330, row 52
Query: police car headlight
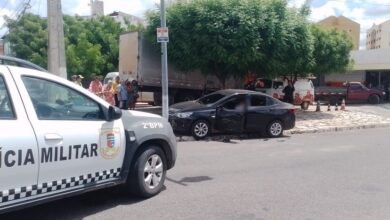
column 184, row 114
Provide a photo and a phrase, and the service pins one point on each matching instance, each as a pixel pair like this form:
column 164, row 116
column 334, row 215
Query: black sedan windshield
column 210, row 99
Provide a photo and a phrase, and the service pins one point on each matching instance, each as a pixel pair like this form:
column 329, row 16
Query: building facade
column 378, row 36
column 342, row 23
column 126, row 19
column 97, row 8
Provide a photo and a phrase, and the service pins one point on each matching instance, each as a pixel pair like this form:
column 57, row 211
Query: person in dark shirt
column 289, row 93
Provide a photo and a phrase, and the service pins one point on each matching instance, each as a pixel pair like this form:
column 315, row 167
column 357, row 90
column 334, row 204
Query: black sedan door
column 230, row 115
column 259, row 113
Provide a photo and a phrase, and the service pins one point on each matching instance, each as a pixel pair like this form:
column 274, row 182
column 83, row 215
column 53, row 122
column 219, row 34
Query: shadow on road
column 195, row 179
column 77, row 207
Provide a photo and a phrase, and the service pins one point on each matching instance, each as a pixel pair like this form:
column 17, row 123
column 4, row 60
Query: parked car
column 353, row 92
column 232, row 111
column 303, row 95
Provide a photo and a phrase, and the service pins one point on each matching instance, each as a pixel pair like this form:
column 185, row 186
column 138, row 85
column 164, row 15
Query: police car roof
column 12, row 61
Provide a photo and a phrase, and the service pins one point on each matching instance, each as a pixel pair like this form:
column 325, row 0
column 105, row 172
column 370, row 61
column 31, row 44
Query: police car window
column 53, row 101
column 6, row 109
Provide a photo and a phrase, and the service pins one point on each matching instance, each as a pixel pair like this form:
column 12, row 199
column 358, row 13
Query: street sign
column 162, row 34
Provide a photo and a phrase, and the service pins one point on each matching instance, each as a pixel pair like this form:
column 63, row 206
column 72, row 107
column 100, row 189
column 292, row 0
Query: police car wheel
column 148, row 174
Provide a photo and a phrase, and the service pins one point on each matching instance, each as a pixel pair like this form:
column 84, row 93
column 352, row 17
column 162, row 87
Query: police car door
column 18, row 147
column 77, row 146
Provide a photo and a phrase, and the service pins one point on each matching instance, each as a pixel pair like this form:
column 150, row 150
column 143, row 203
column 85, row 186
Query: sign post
column 162, row 36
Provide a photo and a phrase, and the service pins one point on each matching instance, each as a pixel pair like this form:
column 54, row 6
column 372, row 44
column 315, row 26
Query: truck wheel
column 200, row 129
column 305, row 105
column 147, row 176
column 334, row 101
column 373, row 99
column 275, row 129
column 157, row 98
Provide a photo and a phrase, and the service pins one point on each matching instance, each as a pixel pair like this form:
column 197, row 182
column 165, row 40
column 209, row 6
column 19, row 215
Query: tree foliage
column 28, row 37
column 92, row 44
column 331, row 50
column 229, row 38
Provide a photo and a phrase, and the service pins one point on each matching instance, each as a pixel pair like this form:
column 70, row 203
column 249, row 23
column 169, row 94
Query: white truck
column 303, row 94
column 58, row 139
column 139, row 60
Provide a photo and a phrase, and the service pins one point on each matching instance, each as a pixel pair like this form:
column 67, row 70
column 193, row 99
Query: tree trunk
column 222, row 79
column 221, row 76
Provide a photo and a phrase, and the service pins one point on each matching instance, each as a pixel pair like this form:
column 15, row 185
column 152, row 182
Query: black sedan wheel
column 275, row 129
column 200, row 129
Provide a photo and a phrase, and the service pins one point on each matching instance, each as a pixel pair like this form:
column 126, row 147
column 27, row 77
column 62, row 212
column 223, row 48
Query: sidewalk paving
column 311, row 121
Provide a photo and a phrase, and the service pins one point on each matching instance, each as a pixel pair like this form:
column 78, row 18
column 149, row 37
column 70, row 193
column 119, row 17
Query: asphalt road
column 341, row 175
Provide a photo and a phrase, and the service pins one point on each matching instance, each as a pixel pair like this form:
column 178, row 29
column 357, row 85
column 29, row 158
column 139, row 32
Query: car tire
column 200, row 129
column 373, row 99
column 305, row 105
column 275, row 129
column 147, row 182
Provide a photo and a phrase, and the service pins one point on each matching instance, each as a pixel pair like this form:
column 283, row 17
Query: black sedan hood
column 187, row 106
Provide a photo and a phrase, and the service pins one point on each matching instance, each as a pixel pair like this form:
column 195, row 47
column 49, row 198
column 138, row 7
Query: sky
column 365, row 12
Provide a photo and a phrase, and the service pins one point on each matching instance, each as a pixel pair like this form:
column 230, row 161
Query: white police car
column 58, row 139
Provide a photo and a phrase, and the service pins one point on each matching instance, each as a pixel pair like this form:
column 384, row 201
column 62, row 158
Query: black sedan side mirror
column 114, row 113
column 219, row 108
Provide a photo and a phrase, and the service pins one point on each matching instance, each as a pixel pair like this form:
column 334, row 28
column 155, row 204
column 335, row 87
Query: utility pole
column 56, row 49
column 164, row 65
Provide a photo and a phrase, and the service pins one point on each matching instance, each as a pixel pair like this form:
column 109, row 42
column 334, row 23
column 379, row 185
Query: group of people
column 123, row 94
column 126, row 93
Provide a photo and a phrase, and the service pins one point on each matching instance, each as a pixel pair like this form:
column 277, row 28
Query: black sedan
column 232, row 111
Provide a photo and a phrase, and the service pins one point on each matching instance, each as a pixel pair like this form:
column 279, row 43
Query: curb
column 309, row 131
column 337, row 129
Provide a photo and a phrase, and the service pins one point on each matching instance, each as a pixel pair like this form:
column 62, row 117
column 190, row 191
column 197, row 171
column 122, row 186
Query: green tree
column 28, row 37
column 331, row 51
column 231, row 38
column 215, row 36
column 92, row 45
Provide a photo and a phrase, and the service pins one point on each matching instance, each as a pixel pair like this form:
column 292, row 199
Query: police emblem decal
column 110, row 140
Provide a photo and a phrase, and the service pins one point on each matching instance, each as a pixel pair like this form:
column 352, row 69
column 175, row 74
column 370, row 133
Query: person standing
column 135, row 92
column 108, row 93
column 122, row 95
column 96, row 86
column 289, row 93
column 79, row 78
column 74, row 79
column 130, row 95
column 115, row 87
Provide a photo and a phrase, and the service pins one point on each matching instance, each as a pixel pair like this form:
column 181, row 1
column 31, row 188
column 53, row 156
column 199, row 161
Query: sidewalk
column 355, row 117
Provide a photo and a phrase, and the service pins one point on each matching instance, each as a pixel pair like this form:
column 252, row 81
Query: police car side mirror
column 114, row 113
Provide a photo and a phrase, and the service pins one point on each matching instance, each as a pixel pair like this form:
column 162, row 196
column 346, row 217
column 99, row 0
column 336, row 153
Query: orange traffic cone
column 343, row 105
